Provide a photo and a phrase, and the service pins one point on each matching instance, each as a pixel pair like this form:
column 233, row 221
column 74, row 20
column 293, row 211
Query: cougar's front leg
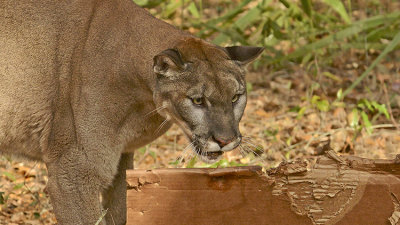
column 114, row 197
column 76, row 179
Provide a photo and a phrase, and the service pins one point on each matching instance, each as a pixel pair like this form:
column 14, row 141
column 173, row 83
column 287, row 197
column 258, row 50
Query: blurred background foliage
column 292, row 31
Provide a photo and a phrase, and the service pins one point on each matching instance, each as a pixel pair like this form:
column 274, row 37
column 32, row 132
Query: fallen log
column 329, row 190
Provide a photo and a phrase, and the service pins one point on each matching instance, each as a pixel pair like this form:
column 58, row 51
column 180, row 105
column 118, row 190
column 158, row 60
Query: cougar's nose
column 223, row 141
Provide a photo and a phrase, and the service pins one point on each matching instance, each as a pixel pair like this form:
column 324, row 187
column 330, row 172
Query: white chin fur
column 212, row 147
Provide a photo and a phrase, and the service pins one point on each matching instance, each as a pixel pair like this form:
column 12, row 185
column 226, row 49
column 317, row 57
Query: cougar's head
column 201, row 87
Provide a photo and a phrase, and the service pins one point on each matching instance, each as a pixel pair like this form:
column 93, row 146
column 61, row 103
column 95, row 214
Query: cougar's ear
column 169, row 63
column 244, row 54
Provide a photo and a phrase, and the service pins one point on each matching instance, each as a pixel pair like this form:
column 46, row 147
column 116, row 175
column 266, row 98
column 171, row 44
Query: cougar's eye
column 235, row 98
column 197, row 101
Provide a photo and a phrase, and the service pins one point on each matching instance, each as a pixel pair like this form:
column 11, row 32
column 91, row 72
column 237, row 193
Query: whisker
column 190, row 155
column 193, row 153
column 184, row 152
column 248, row 140
column 255, row 146
column 155, row 110
column 245, row 149
column 247, row 137
column 248, row 149
column 161, row 126
column 242, row 151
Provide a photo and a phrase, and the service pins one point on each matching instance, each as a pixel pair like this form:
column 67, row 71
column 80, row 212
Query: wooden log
column 331, row 190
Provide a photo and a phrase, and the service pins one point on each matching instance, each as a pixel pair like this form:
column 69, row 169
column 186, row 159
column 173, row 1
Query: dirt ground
column 273, row 132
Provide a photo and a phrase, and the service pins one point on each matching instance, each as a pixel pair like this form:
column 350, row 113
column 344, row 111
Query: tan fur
column 77, row 85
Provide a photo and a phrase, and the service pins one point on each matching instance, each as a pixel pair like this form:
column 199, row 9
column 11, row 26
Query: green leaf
column 276, row 29
column 226, row 34
column 289, row 141
column 332, row 76
column 306, row 6
column 315, row 86
column 355, row 118
column 338, row 104
column 36, row 215
column 339, row 36
column 315, row 99
column 193, row 10
column 365, row 103
column 18, row 186
column 153, row 154
column 9, row 176
column 287, row 155
column 323, row 105
column 338, row 6
column 172, row 7
column 307, row 57
column 192, row 162
column 141, row 2
column 222, row 163
column 228, row 16
column 369, row 106
column 381, row 109
column 142, row 150
column 382, row 32
column 148, row 3
column 249, row 18
column 271, row 132
column 285, row 3
column 301, row 112
column 249, row 87
column 339, row 94
column 295, row 109
column 367, row 123
column 175, row 162
column 389, row 48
